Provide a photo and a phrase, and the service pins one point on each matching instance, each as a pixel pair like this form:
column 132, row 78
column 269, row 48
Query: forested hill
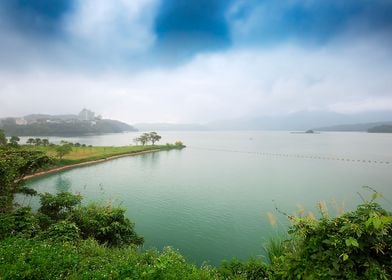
column 381, row 129
column 68, row 127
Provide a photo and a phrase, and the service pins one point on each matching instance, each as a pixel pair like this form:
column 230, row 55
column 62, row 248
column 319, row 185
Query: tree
column 62, row 150
column 58, row 206
column 37, row 141
column 45, row 142
column 14, row 165
column 3, row 139
column 154, row 137
column 30, row 141
column 143, row 139
column 147, row 137
column 14, row 141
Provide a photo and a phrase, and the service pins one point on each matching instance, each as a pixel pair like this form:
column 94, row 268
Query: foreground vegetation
column 65, row 239
column 69, row 241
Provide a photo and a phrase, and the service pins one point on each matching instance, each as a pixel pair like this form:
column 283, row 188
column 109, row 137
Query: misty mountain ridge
column 298, row 121
column 301, row 121
column 355, row 126
column 85, row 123
column 170, row 126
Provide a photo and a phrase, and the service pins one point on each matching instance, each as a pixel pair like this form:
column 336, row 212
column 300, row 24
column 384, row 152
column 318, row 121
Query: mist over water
column 211, row 199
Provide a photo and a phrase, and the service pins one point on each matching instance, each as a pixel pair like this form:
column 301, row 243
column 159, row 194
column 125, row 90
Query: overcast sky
column 194, row 60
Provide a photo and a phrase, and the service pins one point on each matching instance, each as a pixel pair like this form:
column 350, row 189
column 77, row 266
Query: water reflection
column 63, row 184
column 149, row 159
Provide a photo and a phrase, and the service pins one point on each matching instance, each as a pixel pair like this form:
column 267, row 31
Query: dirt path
column 91, row 162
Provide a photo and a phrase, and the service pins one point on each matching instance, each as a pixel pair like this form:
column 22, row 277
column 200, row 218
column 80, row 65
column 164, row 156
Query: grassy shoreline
column 84, row 156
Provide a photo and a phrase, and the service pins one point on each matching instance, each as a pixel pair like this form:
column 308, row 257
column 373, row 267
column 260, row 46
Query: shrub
column 62, row 231
column 41, row 259
column 106, row 224
column 178, row 143
column 253, row 269
column 35, row 259
column 20, row 222
column 356, row 245
column 59, row 206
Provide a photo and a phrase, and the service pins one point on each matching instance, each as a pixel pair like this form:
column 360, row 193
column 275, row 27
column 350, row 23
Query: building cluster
column 84, row 116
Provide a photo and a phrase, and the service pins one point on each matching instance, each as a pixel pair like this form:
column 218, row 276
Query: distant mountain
column 354, row 127
column 168, row 126
column 301, row 121
column 38, row 117
column 385, row 128
column 86, row 123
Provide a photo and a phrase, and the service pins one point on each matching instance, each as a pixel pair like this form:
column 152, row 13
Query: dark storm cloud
column 171, row 32
column 38, row 17
column 317, row 21
column 192, row 25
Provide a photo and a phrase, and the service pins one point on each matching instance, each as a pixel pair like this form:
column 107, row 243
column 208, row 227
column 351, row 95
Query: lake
column 211, row 199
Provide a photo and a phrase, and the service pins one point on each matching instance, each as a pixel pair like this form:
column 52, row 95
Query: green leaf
column 351, row 242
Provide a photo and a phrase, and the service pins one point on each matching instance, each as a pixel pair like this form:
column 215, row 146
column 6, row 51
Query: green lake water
column 211, row 199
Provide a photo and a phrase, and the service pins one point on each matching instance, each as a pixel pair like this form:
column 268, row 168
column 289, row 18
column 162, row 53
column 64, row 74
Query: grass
column 85, row 154
column 274, row 247
column 41, row 259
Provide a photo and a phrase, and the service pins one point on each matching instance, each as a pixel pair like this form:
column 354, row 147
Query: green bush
column 20, row 222
column 106, row 224
column 62, row 231
column 40, row 259
column 58, row 206
column 34, row 259
column 253, row 269
column 178, row 143
column 356, row 245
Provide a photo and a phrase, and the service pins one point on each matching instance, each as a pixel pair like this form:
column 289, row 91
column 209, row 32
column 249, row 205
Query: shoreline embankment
column 83, row 164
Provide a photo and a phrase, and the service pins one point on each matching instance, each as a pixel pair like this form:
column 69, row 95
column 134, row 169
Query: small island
column 309, row 131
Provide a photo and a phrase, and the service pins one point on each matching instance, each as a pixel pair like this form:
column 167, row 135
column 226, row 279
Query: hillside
column 86, row 123
column 169, row 127
column 354, row 127
column 381, row 129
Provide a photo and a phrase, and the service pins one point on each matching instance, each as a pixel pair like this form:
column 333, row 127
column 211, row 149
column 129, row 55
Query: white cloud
column 116, row 25
column 237, row 83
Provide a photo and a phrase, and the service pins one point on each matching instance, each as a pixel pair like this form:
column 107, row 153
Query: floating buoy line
column 332, row 158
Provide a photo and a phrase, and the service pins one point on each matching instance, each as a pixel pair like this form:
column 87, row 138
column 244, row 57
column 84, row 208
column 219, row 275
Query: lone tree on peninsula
column 154, row 137
column 63, row 150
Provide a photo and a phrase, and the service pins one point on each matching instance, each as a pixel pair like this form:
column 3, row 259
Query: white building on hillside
column 86, row 115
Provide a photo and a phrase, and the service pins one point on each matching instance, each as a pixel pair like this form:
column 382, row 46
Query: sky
column 195, row 60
